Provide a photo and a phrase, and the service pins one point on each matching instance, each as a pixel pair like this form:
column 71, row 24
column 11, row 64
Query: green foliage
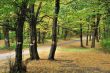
column 106, row 44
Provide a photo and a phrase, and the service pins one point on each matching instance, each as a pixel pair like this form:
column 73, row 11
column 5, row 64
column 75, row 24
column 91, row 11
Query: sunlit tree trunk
column 54, row 31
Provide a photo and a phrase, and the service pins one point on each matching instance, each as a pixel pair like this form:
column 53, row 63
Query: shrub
column 106, row 44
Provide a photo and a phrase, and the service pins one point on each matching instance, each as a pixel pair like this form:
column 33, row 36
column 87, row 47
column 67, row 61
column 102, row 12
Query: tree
column 81, row 36
column 54, row 30
column 33, row 34
column 18, row 66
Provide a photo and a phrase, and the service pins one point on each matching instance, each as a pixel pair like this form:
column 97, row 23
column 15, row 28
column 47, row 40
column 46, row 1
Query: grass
column 76, row 49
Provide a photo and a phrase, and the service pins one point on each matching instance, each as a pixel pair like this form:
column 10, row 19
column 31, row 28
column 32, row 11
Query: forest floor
column 70, row 58
column 72, row 62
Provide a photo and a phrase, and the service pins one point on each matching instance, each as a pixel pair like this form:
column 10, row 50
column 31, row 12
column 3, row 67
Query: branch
column 8, row 27
column 38, row 10
column 45, row 16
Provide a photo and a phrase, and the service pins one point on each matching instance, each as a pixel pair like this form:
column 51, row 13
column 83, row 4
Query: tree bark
column 87, row 36
column 97, row 27
column 93, row 36
column 65, row 34
column 81, row 38
column 90, row 37
column 33, row 35
column 0, row 35
column 54, row 31
column 18, row 67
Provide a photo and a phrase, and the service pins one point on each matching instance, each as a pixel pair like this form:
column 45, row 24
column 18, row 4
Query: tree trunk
column 99, row 34
column 90, row 37
column 6, row 35
column 54, row 31
column 93, row 36
column 33, row 35
column 97, row 27
column 18, row 67
column 87, row 36
column 65, row 34
column 81, row 38
column 0, row 35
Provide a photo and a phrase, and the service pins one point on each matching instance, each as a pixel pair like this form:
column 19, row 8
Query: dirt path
column 4, row 56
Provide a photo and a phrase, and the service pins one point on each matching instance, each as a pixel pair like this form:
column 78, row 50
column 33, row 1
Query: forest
column 54, row 36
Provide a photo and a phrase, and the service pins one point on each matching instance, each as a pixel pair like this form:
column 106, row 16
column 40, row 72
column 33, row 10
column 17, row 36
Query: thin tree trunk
column 97, row 27
column 65, row 34
column 81, row 39
column 0, row 35
column 87, row 36
column 90, row 37
column 93, row 36
column 54, row 31
column 99, row 34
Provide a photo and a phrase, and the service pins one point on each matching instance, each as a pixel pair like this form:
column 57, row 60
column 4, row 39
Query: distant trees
column 6, row 34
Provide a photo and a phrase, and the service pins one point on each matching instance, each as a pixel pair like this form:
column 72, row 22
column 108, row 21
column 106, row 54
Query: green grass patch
column 75, row 49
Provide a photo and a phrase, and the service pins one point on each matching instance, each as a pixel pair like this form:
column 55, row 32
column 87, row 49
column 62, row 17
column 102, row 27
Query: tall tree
column 18, row 66
column 54, row 30
column 33, row 34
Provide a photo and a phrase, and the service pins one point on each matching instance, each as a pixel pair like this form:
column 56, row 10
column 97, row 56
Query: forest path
column 8, row 55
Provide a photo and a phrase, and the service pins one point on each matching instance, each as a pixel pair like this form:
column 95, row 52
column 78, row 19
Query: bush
column 106, row 44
